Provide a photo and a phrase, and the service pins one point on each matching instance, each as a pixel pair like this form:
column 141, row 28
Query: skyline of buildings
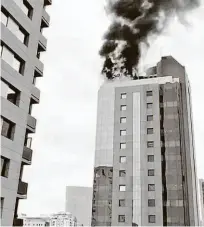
column 145, row 170
column 22, row 41
column 78, row 203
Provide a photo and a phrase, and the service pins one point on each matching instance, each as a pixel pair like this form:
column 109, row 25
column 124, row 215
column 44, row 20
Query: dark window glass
column 10, row 93
column 121, row 218
column 2, row 205
column 8, row 128
column 152, row 218
column 150, row 118
column 149, row 93
column 150, row 131
column 151, row 202
column 150, row 144
column 150, row 172
column 150, row 158
column 5, row 162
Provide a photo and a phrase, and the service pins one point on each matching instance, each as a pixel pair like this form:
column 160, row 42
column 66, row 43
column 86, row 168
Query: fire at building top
column 134, row 21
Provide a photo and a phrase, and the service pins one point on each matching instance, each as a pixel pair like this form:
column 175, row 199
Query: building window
column 122, row 173
column 151, row 202
column 7, row 128
column 123, row 107
column 149, row 93
column 9, row 92
column 5, row 162
column 4, row 18
column 123, row 132
column 122, row 145
column 122, row 188
column 123, row 96
column 150, row 172
column 149, row 117
column 151, row 218
column 12, row 59
column 149, row 105
column 150, row 131
column 122, row 203
column 122, row 159
column 2, row 205
column 123, row 120
column 151, row 187
column 150, row 158
column 15, row 27
column 150, row 144
column 25, row 7
column 121, row 218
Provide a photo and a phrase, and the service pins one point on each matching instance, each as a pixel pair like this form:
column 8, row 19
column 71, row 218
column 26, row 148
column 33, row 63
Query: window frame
column 123, row 96
column 150, row 117
column 149, row 93
column 122, row 186
column 11, row 129
column 119, row 218
column 150, row 144
column 150, row 131
column 123, row 146
column 121, row 172
column 121, row 132
column 123, row 118
column 151, row 216
column 149, row 203
column 149, row 105
column 150, row 189
column 121, row 157
column 15, row 90
column 148, row 157
column 151, row 171
column 5, row 166
column 123, row 107
column 120, row 202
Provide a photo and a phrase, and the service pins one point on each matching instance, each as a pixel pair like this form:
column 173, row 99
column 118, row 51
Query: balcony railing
column 22, row 188
column 31, row 122
column 27, row 153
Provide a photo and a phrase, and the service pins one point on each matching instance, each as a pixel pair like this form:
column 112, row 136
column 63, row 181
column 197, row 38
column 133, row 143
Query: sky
column 64, row 143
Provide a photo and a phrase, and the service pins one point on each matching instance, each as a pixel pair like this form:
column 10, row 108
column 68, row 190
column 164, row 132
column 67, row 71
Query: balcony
column 27, row 155
column 45, row 19
column 22, row 188
column 47, row 2
column 35, row 94
column 43, row 42
column 31, row 123
column 17, row 222
column 39, row 67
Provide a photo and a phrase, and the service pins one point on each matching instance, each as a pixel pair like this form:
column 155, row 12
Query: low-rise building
column 57, row 220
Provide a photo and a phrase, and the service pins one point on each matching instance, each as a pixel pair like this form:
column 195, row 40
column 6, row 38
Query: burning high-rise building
column 145, row 170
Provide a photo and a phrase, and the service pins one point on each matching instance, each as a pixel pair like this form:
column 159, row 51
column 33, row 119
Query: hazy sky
column 63, row 148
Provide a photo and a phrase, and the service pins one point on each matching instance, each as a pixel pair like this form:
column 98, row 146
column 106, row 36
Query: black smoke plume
column 134, row 21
